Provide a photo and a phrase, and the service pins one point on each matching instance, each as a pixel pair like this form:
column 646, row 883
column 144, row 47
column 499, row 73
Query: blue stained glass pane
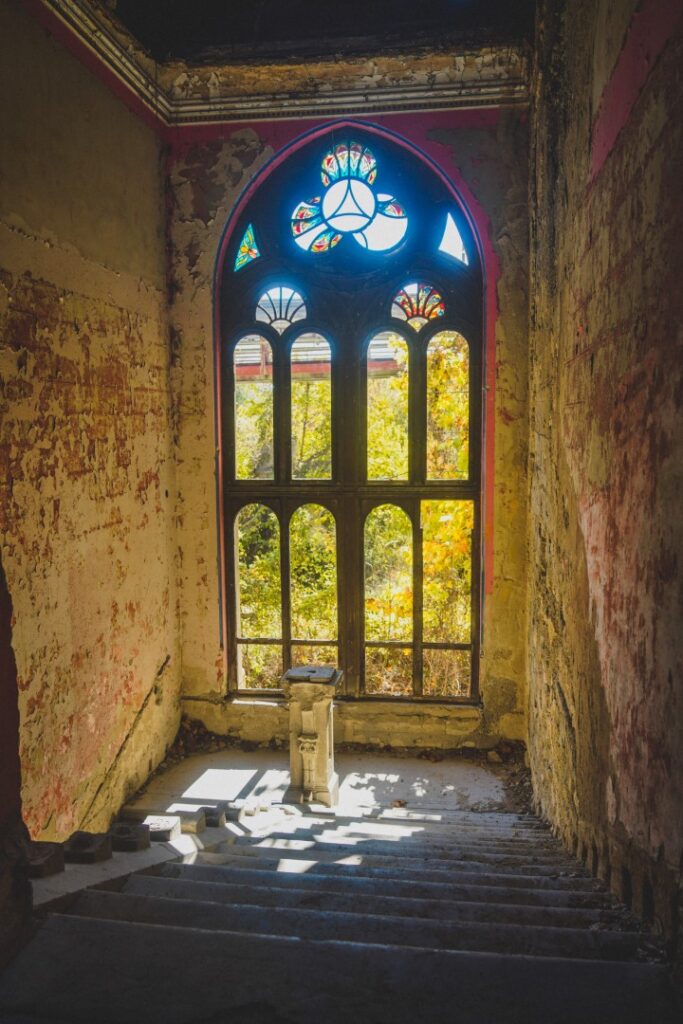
column 248, row 249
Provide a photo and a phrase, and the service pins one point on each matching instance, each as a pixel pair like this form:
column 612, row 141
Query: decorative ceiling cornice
column 180, row 95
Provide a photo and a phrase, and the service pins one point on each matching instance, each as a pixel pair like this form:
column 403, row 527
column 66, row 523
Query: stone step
column 401, row 906
column 377, row 855
column 350, row 830
column 443, row 820
column 376, row 882
column 82, row 970
column 443, row 845
column 480, row 936
column 468, row 873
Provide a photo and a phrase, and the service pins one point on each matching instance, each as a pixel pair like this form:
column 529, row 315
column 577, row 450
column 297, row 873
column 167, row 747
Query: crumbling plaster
column 606, row 449
column 86, row 468
column 485, row 153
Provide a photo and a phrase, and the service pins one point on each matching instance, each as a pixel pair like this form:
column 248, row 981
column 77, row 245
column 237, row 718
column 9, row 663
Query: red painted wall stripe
column 90, row 59
column 647, row 36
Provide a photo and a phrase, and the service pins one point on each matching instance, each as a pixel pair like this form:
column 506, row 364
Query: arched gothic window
column 351, row 305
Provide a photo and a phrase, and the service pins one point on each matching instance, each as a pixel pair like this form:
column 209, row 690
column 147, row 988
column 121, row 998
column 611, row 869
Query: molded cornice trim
column 151, row 89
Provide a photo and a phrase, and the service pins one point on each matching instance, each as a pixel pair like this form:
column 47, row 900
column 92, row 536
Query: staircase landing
column 423, row 897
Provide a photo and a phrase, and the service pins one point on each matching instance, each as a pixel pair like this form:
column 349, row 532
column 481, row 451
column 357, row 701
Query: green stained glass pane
column 248, row 249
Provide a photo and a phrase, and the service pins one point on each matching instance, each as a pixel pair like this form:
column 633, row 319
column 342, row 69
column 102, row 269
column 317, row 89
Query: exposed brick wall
column 606, row 527
column 86, row 474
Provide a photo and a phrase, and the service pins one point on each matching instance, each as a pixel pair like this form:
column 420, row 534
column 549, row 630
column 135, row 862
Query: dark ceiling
column 200, row 31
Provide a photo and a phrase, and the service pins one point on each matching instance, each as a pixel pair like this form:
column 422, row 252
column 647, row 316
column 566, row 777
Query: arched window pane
column 387, row 404
column 280, row 306
column 388, row 574
column 447, row 570
column 447, row 407
column 258, row 567
column 253, row 369
column 311, row 408
column 313, row 570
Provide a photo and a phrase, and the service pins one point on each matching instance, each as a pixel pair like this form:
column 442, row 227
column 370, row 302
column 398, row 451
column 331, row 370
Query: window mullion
column 282, row 414
column 284, row 515
column 349, row 584
column 417, row 397
column 417, row 598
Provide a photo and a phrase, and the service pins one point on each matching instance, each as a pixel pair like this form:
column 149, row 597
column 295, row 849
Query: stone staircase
column 387, row 916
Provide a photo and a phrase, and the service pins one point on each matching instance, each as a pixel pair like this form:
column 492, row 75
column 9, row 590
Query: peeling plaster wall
column 485, row 153
column 606, row 446
column 86, row 471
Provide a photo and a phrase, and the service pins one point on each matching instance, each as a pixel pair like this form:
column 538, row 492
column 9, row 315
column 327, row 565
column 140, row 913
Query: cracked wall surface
column 606, row 448
column 486, row 154
column 86, row 460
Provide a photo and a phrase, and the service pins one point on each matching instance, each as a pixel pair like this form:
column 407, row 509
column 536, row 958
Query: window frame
column 348, row 494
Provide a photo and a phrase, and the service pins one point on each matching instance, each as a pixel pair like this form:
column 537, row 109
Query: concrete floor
column 367, row 781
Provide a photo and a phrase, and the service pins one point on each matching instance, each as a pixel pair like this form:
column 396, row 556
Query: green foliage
column 311, row 429
column 313, row 569
column 388, row 419
column 258, row 538
column 388, row 574
column 388, row 535
column 447, row 407
column 254, row 430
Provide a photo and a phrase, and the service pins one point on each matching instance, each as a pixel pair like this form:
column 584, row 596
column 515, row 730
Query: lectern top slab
column 312, row 674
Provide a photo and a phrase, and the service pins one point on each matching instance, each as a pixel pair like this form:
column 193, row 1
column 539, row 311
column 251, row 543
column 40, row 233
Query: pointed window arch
column 352, row 421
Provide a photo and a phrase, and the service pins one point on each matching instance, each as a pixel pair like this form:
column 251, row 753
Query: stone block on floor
column 162, row 827
column 216, row 816
column 45, row 859
column 129, row 836
column 87, row 848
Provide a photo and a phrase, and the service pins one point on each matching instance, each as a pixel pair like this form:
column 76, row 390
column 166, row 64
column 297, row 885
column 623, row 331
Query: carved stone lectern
column 309, row 691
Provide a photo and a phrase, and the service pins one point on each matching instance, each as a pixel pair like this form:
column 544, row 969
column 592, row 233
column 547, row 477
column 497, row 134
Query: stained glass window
column 350, row 460
column 248, row 249
column 280, row 307
column 452, row 243
column 349, row 206
column 417, row 303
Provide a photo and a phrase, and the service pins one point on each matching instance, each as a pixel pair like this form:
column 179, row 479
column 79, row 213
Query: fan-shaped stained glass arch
column 280, row 307
column 349, row 206
column 248, row 249
column 418, row 303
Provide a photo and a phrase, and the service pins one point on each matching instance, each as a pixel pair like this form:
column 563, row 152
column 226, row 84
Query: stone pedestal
column 309, row 691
